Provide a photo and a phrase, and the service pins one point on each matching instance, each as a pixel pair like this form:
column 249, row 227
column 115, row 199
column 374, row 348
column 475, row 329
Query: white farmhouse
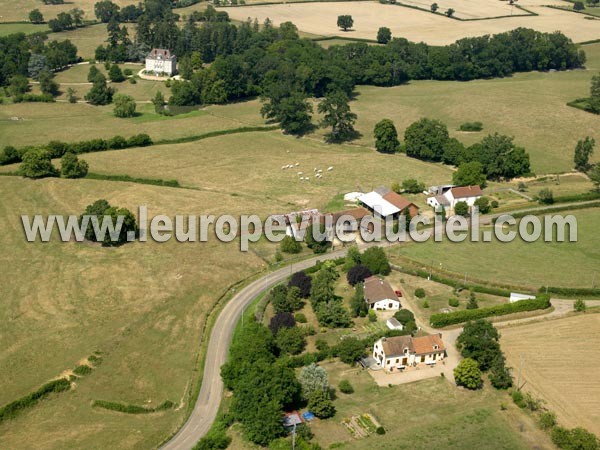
column 398, row 353
column 161, row 61
column 451, row 197
column 379, row 295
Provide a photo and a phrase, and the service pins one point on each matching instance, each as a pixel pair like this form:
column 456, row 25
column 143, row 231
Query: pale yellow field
column 560, row 363
column 415, row 25
column 12, row 11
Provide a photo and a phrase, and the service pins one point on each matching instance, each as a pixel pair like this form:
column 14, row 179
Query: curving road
column 211, row 392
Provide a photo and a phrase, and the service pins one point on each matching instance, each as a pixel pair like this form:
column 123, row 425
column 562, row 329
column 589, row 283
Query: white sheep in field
column 299, row 173
column 297, row 164
column 307, row 179
column 283, row 167
column 330, row 168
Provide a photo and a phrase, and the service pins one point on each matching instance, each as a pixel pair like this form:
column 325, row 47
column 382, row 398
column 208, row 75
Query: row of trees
column 495, row 157
column 37, row 163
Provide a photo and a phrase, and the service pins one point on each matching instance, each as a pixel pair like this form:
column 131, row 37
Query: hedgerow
column 132, row 409
column 445, row 319
column 12, row 409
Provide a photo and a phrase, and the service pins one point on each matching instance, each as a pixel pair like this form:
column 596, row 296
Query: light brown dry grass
column 415, row 25
column 143, row 305
column 12, row 11
column 560, row 363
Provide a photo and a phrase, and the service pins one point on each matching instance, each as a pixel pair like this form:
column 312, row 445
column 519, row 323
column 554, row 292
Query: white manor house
column 162, row 62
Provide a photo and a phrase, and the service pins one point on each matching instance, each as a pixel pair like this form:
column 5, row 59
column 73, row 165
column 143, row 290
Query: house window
column 397, row 360
column 390, row 305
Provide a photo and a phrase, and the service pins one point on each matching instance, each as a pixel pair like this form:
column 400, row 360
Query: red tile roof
column 466, row 191
column 377, row 289
column 397, row 200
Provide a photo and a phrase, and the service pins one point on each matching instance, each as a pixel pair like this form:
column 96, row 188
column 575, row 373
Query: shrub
column 290, row 245
column 442, row 320
column 82, row 370
column 547, row 420
column 412, row 186
column 72, row 167
column 426, row 304
column 125, row 106
column 380, row 430
column 579, row 305
column 37, row 164
column 320, row 404
column 404, row 316
column 467, row 374
column 372, row 316
column 386, row 137
column 454, row 302
column 345, row 387
column 139, row 140
column 545, row 197
column 420, row 293
column 376, row 260
column 300, row 318
column 117, row 142
column 517, row 397
column 471, row 126
column 303, row 282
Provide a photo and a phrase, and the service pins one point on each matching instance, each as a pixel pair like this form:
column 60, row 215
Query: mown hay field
column 143, row 305
column 559, row 363
column 414, row 24
column 13, row 11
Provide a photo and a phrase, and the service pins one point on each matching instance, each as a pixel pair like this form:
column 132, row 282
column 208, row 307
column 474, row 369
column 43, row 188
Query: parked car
column 398, row 293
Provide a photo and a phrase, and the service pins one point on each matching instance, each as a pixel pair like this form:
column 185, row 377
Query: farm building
column 379, row 294
column 400, row 352
column 161, row 61
column 385, row 203
column 393, row 324
column 452, row 196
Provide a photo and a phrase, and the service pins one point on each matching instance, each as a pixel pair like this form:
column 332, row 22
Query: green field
column 27, row 28
column 529, row 106
column 13, row 11
column 87, row 39
column 518, row 263
column 424, row 415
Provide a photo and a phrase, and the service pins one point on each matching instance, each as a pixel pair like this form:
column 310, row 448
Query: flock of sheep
column 318, row 172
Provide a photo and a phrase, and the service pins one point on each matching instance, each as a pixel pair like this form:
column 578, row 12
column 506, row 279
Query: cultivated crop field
column 560, row 363
column 413, row 24
column 518, row 263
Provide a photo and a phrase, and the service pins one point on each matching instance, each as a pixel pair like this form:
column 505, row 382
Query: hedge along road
column 211, row 392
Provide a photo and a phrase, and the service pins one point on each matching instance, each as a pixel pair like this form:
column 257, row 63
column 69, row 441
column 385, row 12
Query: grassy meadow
column 568, row 264
column 142, row 305
column 15, row 11
column 421, row 415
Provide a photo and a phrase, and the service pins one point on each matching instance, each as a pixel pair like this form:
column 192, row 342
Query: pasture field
column 249, row 165
column 87, row 39
column 27, row 28
column 569, row 385
column 529, row 106
column 142, row 305
column 413, row 24
column 536, row 264
column 14, row 11
column 35, row 123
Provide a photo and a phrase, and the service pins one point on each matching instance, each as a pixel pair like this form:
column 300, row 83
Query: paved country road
column 211, row 392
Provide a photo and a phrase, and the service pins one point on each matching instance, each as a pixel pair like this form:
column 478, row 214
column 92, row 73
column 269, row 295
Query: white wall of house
column 396, row 362
column 386, row 305
column 161, row 66
column 453, row 201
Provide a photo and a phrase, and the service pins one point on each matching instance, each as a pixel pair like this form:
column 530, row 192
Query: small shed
column 393, row 324
column 516, row 297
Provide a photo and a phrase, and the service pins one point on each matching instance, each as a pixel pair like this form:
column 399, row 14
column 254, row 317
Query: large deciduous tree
column 386, row 136
column 336, row 112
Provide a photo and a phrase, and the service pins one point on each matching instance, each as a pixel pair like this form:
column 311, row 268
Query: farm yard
column 559, row 363
column 412, row 24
